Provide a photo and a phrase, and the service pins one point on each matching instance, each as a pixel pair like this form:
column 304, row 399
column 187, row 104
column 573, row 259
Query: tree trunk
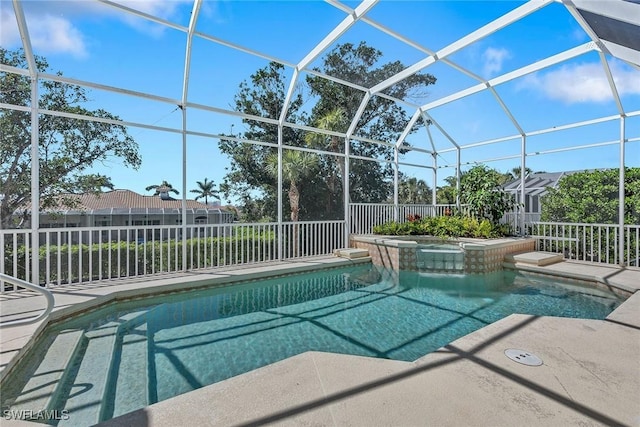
column 294, row 201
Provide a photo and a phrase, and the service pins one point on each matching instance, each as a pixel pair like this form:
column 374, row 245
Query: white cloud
column 585, row 82
column 48, row 33
column 160, row 8
column 163, row 9
column 52, row 31
column 493, row 59
column 8, row 27
column 52, row 34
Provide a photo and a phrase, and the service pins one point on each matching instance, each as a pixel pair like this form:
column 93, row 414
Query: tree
column 264, row 94
column 514, row 173
column 481, row 189
column 296, row 166
column 592, row 197
column 68, row 148
column 247, row 179
column 413, row 191
column 382, row 119
column 446, row 194
column 205, row 189
column 334, row 120
column 163, row 187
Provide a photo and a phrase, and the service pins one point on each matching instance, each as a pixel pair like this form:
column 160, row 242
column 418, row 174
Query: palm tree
column 164, row 187
column 514, row 173
column 206, row 189
column 413, row 191
column 296, row 166
column 334, row 120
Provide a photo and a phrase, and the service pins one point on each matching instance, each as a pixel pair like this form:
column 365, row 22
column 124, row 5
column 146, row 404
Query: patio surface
column 590, row 375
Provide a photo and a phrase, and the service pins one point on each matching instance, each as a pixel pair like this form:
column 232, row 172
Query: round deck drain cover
column 522, row 356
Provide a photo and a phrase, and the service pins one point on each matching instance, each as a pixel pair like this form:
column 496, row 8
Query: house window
column 536, row 204
column 145, row 222
column 54, row 225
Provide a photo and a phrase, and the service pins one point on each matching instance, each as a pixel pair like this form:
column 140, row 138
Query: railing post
column 458, row 156
column 395, row 183
column 621, row 194
column 184, row 188
column 523, row 207
column 35, row 184
column 280, row 233
column 346, row 193
column 434, row 190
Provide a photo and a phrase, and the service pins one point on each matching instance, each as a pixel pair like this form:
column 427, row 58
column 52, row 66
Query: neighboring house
column 536, row 185
column 124, row 208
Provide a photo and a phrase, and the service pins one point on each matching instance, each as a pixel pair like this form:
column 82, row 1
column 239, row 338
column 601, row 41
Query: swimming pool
column 128, row 356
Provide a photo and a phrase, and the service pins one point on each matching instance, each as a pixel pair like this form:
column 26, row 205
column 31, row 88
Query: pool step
column 131, row 379
column 440, row 260
column 534, row 258
column 127, row 324
column 87, row 394
column 351, row 253
column 39, row 392
column 133, row 319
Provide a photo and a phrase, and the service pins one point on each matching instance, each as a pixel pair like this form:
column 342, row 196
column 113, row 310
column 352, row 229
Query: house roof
column 535, row 183
column 127, row 201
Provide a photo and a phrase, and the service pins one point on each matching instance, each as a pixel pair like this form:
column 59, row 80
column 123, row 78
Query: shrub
column 70, row 263
column 444, row 227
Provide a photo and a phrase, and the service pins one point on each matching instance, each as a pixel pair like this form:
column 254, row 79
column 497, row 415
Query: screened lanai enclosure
column 314, row 120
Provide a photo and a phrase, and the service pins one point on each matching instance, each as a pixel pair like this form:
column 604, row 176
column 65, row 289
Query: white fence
column 365, row 216
column 80, row 255
column 513, row 220
column 588, row 242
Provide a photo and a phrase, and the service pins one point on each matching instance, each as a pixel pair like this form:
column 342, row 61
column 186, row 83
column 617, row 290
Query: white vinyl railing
column 513, row 220
column 15, row 249
column 312, row 238
column 632, row 245
column 88, row 254
column 588, row 242
column 80, row 255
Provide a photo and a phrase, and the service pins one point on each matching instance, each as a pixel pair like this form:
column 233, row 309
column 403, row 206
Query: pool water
column 127, row 357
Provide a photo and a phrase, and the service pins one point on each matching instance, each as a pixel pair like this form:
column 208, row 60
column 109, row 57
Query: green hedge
column 122, row 259
column 444, row 227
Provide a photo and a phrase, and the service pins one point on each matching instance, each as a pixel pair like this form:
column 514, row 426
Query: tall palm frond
column 163, row 187
column 206, row 189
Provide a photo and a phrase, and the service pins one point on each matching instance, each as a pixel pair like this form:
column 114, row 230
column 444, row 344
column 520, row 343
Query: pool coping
column 626, row 316
column 623, row 281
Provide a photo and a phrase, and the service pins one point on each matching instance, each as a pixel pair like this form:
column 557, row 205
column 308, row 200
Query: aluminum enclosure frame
column 620, row 10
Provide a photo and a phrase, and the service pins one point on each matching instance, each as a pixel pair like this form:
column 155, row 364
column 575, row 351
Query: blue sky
column 92, row 41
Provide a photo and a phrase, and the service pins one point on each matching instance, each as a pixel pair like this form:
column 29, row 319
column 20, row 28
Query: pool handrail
column 23, row 284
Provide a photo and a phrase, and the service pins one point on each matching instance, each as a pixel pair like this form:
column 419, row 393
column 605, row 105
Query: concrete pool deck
column 590, row 375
